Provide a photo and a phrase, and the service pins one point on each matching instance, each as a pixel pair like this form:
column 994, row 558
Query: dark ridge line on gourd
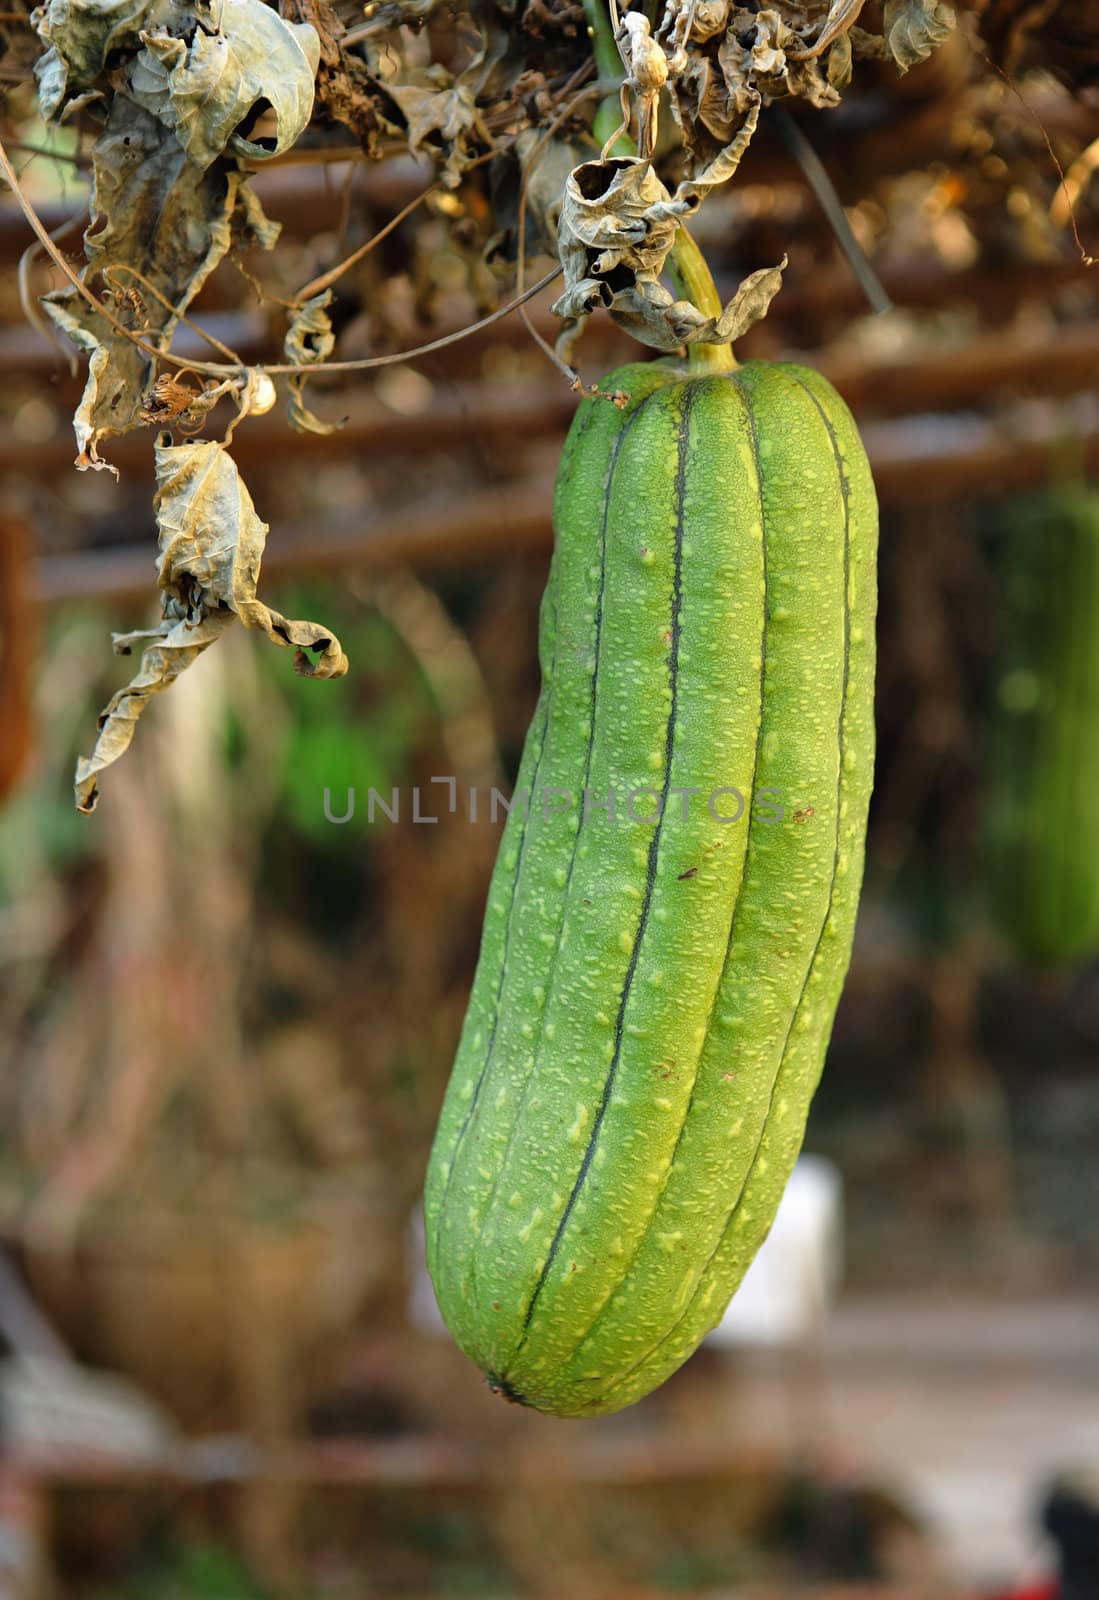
column 608, row 483
column 650, row 875
column 545, row 699
column 724, row 1234
column 605, row 1307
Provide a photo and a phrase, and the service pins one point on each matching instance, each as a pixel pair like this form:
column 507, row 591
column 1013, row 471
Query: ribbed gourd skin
column 1044, row 799
column 653, row 999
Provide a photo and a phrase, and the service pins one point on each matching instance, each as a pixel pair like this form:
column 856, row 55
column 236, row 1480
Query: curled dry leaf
column 440, row 109
column 842, row 15
column 646, row 67
column 724, row 57
column 913, row 28
column 165, row 225
column 761, row 52
column 617, row 220
column 171, row 649
column 79, row 37
column 617, row 227
column 309, row 339
column 211, row 547
column 201, row 67
column 207, row 86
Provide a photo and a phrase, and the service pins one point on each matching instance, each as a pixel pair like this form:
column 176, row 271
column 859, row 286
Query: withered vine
column 612, row 125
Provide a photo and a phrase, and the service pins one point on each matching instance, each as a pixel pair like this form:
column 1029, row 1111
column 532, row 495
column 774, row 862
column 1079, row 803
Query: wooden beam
column 985, row 369
column 921, row 461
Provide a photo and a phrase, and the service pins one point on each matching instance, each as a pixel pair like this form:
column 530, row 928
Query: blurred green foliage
column 355, row 733
column 1043, row 801
column 191, row 1572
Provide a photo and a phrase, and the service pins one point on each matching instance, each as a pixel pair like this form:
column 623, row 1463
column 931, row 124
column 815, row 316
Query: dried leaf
column 748, row 306
column 309, row 339
column 609, row 222
column 912, row 29
column 211, row 548
column 544, row 166
column 390, row 14
column 703, row 107
column 840, row 17
column 618, row 225
column 654, row 318
column 441, row 111
column 117, row 374
column 81, row 34
column 172, row 223
column 344, row 86
column 710, row 17
column 721, row 168
column 177, row 646
column 212, row 542
column 646, row 69
column 736, row 56
column 207, row 87
column 838, row 70
column 714, row 93
column 445, row 115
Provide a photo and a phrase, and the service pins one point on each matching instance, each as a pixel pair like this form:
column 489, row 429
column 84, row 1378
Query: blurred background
column 226, row 1019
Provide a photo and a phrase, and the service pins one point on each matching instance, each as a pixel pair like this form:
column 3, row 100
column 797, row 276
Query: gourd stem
column 686, row 265
column 693, row 280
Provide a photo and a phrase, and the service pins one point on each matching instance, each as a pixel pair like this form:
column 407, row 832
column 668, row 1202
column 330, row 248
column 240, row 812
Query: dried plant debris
column 912, row 29
column 207, row 89
column 722, row 58
column 309, row 339
column 181, row 84
column 344, row 85
column 79, row 38
column 211, row 546
column 180, row 99
column 163, row 225
column 203, row 68
column 719, row 62
column 618, row 224
column 440, row 110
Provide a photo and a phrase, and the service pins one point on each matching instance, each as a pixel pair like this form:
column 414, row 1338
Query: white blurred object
column 423, row 1308
column 52, row 1410
column 55, row 1412
column 785, row 1291
column 794, row 1278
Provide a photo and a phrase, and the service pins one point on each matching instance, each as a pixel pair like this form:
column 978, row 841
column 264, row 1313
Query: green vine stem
column 693, row 280
column 686, row 266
